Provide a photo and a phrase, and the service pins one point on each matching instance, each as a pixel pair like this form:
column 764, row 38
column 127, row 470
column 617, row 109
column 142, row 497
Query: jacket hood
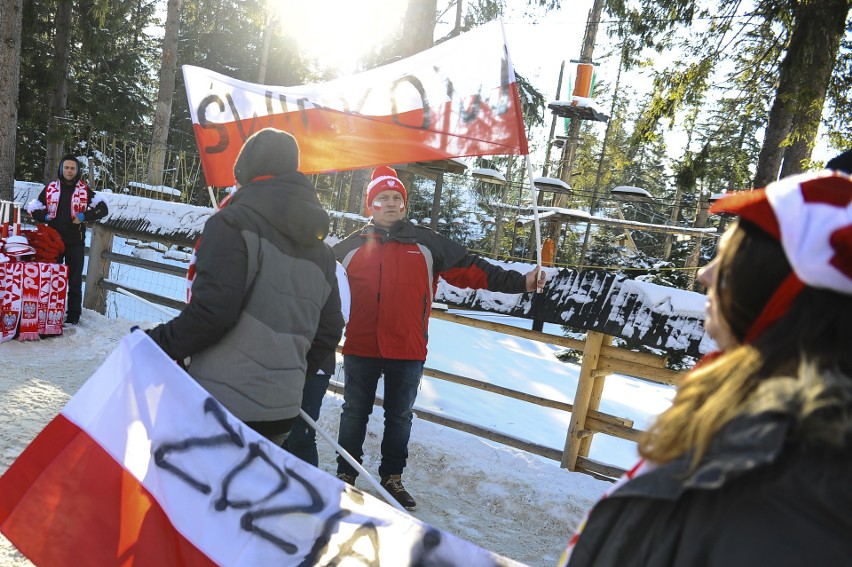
column 290, row 204
column 817, row 401
column 69, row 157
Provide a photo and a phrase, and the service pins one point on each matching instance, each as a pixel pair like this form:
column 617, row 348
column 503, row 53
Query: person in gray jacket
column 265, row 308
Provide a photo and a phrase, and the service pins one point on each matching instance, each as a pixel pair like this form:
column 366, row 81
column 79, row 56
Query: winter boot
column 393, row 484
column 347, row 478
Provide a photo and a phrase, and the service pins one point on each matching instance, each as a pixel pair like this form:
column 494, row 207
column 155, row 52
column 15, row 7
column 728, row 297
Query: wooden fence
column 600, row 359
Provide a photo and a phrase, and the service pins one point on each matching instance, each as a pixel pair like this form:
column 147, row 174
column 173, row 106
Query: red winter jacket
column 393, row 276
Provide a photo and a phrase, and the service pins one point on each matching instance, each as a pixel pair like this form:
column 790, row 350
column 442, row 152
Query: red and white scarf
column 79, row 200
column 190, row 273
column 32, row 299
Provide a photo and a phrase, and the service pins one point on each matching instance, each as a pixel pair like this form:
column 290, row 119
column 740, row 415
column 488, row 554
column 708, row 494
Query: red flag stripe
column 124, row 525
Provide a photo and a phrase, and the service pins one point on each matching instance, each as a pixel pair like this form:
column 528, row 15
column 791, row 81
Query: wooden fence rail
column 600, row 359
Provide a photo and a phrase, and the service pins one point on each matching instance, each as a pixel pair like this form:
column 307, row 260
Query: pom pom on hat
column 384, row 179
column 269, row 152
column 811, row 216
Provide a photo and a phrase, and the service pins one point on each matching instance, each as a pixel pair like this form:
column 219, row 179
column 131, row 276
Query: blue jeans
column 302, row 441
column 402, row 377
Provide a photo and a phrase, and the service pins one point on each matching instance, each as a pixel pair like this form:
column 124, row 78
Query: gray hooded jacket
column 265, row 305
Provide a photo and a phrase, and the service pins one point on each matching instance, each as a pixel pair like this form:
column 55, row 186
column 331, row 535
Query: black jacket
column 772, row 490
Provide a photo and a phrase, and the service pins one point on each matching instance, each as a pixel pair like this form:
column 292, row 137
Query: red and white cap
column 811, row 216
column 384, row 179
column 18, row 246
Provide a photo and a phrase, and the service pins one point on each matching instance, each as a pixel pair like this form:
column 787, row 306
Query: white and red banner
column 144, row 468
column 457, row 99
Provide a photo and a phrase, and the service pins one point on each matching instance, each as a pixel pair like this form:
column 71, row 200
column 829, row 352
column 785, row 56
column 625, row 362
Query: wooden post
column 577, row 428
column 98, row 268
column 595, row 399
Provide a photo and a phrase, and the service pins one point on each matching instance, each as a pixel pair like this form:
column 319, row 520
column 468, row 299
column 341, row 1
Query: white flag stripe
column 402, row 86
column 140, row 405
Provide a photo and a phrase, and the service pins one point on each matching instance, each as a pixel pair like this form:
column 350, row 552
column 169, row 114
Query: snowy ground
column 511, row 502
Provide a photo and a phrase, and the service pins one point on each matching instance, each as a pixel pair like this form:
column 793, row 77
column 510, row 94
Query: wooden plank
column 606, row 472
column 577, row 426
column 151, row 265
column 492, row 435
column 595, row 399
column 599, row 419
column 608, row 351
column 98, row 268
column 644, row 358
column 584, row 464
column 152, row 297
column 658, row 375
column 566, row 342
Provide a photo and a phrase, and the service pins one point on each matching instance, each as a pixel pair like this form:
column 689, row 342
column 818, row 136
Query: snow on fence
column 603, row 304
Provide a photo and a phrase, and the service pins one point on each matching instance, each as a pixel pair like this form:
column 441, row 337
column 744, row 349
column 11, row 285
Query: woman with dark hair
column 752, row 463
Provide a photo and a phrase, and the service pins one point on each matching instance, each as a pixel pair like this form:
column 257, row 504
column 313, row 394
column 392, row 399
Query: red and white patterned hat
column 811, row 216
column 17, row 246
column 384, row 179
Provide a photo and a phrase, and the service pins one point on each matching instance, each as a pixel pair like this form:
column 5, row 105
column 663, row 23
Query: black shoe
column 393, row 484
column 347, row 478
column 72, row 319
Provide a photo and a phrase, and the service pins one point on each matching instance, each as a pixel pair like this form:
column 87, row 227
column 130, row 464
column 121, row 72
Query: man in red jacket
column 393, row 268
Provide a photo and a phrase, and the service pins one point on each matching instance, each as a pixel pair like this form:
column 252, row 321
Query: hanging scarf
column 79, row 200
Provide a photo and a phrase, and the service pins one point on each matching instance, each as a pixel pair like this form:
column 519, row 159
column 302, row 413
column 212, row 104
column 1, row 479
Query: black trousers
column 73, row 258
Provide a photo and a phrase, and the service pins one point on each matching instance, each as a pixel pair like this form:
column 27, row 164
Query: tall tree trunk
column 815, row 30
column 166, row 94
column 265, row 43
column 667, row 246
column 59, row 96
column 418, row 29
column 11, row 12
column 499, row 211
column 359, row 180
column 695, row 255
column 822, row 24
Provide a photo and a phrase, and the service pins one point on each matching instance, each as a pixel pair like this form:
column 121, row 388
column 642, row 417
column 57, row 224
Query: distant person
column 265, row 307
column 751, row 464
column 842, row 162
column 66, row 205
column 393, row 268
column 302, row 441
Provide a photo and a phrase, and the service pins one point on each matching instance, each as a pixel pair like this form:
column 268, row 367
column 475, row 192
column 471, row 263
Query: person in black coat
column 66, row 204
column 265, row 307
column 751, row 465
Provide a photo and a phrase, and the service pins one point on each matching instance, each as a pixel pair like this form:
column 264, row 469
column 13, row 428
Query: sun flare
column 337, row 32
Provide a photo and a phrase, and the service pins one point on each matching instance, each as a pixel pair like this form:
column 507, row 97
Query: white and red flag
column 144, row 468
column 457, row 99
